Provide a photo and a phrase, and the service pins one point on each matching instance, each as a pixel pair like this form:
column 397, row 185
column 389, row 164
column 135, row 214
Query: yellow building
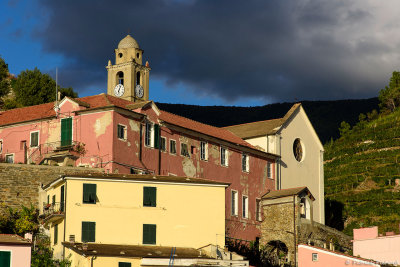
column 135, row 220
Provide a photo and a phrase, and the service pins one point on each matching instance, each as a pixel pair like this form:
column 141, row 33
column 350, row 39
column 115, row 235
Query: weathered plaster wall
column 20, row 183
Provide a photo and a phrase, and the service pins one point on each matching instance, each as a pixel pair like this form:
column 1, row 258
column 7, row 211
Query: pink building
column 309, row 256
column 121, row 136
column 385, row 249
column 14, row 251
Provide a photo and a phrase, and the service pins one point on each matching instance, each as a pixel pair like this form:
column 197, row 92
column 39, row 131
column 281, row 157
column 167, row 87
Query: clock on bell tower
column 128, row 78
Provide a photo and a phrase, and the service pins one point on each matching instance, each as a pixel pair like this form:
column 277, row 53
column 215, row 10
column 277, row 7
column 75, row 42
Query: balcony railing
column 53, row 211
column 44, row 149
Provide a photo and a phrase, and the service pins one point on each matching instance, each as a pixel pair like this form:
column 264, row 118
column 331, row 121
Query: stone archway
column 277, row 252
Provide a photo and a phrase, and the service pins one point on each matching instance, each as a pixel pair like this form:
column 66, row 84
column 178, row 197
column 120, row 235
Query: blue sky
column 201, row 52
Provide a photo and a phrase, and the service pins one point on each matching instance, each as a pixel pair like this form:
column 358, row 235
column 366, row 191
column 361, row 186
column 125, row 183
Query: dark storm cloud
column 279, row 50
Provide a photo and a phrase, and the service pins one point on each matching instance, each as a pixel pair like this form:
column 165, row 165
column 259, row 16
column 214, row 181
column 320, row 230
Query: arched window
column 120, row 77
column 137, row 77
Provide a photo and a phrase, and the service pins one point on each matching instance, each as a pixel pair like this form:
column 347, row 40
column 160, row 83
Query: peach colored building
column 14, row 251
column 310, row 256
column 368, row 243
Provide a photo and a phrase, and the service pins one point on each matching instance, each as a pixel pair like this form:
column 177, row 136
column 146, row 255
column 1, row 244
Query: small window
column 184, row 150
column 148, row 140
column 137, row 55
column 88, row 232
column 224, row 156
column 9, row 158
column 120, row 55
column 258, row 210
column 124, row 264
column 269, row 170
column 298, row 150
column 245, row 207
column 172, row 146
column 120, row 77
column 34, row 139
column 245, row 163
column 89, row 193
column 55, row 234
column 163, row 144
column 53, row 200
column 121, row 132
column 315, row 257
column 234, row 203
column 149, row 196
column 138, row 78
column 149, row 234
column 48, row 199
column 203, row 150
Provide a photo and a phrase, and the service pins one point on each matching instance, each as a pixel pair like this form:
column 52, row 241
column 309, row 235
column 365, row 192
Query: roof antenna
column 56, row 106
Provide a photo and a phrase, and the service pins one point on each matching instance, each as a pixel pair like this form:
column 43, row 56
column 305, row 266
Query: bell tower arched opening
column 120, row 77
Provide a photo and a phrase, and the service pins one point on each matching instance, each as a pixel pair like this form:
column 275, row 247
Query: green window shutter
column 88, row 231
column 5, row 258
column 156, row 136
column 53, row 200
column 89, row 193
column 66, row 132
column 124, row 264
column 149, row 196
column 149, row 234
column 55, row 234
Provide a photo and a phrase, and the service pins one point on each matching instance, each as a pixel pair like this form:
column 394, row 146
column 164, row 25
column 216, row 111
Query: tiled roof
column 133, row 251
column 219, row 133
column 259, row 128
column 287, row 192
column 13, row 239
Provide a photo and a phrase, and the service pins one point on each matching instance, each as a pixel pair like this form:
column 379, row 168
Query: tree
column 390, row 96
column 33, row 88
column 344, row 128
column 4, row 81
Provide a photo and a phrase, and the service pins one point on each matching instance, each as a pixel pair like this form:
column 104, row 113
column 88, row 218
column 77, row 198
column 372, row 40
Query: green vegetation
column 390, row 96
column 4, row 82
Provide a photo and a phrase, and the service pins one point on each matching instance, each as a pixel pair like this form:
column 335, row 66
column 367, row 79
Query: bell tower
column 128, row 78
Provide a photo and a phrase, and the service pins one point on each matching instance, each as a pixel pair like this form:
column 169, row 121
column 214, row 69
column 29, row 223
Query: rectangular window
column 224, row 156
column 172, row 146
column 149, row 234
column 48, row 199
column 5, row 258
column 88, row 232
column 89, row 193
column 163, row 144
column 121, row 132
column 34, row 139
column 258, row 210
column 184, row 150
column 124, row 264
column 9, row 158
column 234, row 203
column 148, row 134
column 245, row 163
column 55, row 234
column 315, row 257
column 245, row 207
column 149, row 196
column 53, row 200
column 203, row 150
column 269, row 170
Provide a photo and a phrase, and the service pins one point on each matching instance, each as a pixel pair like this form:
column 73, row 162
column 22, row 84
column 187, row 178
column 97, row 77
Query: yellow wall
column 186, row 215
column 81, row 261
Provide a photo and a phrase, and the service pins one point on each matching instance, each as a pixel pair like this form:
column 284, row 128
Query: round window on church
column 120, row 55
column 298, row 150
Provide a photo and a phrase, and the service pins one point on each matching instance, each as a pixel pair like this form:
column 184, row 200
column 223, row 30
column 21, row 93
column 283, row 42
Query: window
column 48, row 199
column 9, row 158
column 5, row 258
column 55, row 234
column 149, row 196
column 258, row 210
column 152, row 135
column 163, row 144
column 234, row 202
column 224, row 156
column 88, row 232
column 53, row 200
column 147, row 137
column 245, row 163
column 121, row 132
column 203, row 150
column 315, row 257
column 298, row 149
column 89, row 193
column 1, row 146
column 149, row 234
column 172, row 146
column 124, row 264
column 34, row 139
column 269, row 170
column 245, row 207
column 120, row 74
column 184, row 150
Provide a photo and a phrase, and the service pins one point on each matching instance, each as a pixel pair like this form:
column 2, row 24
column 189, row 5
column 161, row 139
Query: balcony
column 57, row 153
column 52, row 212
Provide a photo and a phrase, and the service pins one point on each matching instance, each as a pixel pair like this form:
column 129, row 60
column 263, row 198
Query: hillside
column 325, row 116
column 362, row 176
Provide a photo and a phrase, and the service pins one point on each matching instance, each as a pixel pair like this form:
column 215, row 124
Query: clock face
column 139, row 91
column 119, row 90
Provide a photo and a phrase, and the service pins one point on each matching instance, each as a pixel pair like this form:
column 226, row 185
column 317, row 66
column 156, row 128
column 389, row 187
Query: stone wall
column 20, row 183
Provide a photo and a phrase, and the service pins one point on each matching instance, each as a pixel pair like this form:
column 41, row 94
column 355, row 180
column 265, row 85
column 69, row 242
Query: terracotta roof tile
column 287, row 192
column 27, row 113
column 13, row 239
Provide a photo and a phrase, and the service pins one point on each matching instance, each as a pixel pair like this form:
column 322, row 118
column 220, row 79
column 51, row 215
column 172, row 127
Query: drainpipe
column 65, row 215
column 294, row 230
column 159, row 150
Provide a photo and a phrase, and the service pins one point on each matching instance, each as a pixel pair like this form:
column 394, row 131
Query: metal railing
column 37, row 155
column 53, row 208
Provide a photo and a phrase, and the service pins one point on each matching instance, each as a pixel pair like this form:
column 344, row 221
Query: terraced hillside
column 362, row 176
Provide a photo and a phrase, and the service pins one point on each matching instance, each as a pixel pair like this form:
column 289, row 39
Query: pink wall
column 20, row 255
column 327, row 258
column 383, row 248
